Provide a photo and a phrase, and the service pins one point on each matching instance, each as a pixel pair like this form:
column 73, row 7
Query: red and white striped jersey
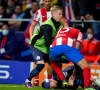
column 69, row 14
column 41, row 15
column 67, row 36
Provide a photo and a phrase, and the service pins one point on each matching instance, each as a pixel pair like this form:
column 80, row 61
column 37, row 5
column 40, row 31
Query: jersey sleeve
column 47, row 32
column 36, row 16
column 80, row 37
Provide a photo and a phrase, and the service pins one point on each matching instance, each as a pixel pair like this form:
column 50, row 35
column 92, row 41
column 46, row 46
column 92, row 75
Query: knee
column 85, row 66
column 83, row 63
column 40, row 62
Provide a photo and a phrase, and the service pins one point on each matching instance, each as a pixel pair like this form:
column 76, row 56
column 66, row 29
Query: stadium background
column 16, row 71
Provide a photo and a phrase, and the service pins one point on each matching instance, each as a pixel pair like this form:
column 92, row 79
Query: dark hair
column 12, row 0
column 6, row 24
column 91, row 29
column 2, row 6
column 77, row 26
column 35, row 2
column 18, row 5
column 78, row 71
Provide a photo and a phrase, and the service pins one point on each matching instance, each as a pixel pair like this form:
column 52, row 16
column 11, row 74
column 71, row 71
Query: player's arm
column 63, row 21
column 79, row 40
column 36, row 18
column 47, row 32
column 31, row 31
column 78, row 45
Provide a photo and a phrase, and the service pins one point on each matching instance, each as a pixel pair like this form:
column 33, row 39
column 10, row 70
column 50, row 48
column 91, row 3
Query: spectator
column 10, row 7
column 90, row 46
column 18, row 14
column 2, row 15
column 54, row 2
column 74, row 9
column 8, row 43
column 80, row 8
column 94, row 14
column 3, row 2
column 28, row 4
column 23, row 5
column 29, row 13
column 40, row 3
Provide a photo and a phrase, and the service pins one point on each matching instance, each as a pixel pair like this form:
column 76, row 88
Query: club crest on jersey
column 38, row 57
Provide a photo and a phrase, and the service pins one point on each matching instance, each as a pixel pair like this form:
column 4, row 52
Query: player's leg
column 36, row 78
column 49, row 71
column 76, row 57
column 49, row 68
column 55, row 53
column 86, row 72
column 38, row 57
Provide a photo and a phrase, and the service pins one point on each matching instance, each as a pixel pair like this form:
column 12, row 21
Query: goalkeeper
column 74, row 78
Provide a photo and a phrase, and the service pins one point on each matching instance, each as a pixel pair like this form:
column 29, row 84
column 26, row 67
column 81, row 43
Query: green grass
column 21, row 87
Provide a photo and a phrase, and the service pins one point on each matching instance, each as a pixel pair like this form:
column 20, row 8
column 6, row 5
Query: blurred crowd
column 72, row 9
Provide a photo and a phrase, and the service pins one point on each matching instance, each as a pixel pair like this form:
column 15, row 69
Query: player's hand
column 72, row 77
column 89, row 17
column 64, row 84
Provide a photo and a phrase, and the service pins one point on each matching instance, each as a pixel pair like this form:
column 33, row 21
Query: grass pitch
column 22, row 87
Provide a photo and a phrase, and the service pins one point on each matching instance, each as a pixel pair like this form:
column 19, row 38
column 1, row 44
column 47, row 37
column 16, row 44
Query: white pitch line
column 11, row 86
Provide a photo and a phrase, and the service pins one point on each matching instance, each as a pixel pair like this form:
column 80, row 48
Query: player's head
column 47, row 4
column 77, row 26
column 57, row 13
column 78, row 72
column 49, row 83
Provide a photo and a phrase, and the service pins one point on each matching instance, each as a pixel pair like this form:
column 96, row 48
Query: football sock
column 57, row 69
column 49, row 71
column 49, row 76
column 36, row 77
column 86, row 76
column 54, row 75
column 36, row 71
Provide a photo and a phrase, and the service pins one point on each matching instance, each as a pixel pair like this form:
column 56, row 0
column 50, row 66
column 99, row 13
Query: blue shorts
column 71, row 53
column 39, row 55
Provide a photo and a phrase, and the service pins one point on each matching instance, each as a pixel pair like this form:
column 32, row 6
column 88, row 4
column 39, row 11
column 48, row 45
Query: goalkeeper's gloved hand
column 64, row 84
